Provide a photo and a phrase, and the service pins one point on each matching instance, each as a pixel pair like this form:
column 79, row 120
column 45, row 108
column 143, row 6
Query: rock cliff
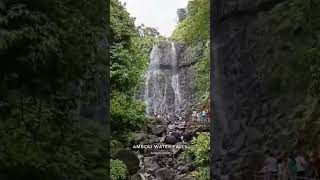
column 170, row 94
column 248, row 117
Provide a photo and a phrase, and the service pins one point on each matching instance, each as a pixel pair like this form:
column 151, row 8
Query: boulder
column 171, row 126
column 179, row 176
column 176, row 151
column 188, row 136
column 181, row 127
column 150, row 136
column 188, row 178
column 137, row 177
column 130, row 159
column 158, row 130
column 150, row 164
column 164, row 174
column 138, row 137
column 169, row 139
column 184, row 169
column 177, row 135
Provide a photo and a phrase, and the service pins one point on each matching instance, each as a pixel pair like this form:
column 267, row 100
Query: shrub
column 118, row 170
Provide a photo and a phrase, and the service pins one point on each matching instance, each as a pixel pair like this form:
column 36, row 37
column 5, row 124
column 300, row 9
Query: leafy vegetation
column 130, row 48
column 199, row 154
column 49, row 51
column 196, row 26
column 296, row 32
column 118, row 170
column 202, row 73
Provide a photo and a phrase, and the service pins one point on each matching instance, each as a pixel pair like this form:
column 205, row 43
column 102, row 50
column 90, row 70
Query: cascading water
column 160, row 82
column 175, row 80
column 152, row 94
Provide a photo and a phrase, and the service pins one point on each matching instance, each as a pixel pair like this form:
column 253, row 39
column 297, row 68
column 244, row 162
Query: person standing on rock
column 194, row 115
column 282, row 168
column 203, row 115
column 271, row 166
column 208, row 117
column 315, row 164
column 301, row 165
column 292, row 167
column 197, row 116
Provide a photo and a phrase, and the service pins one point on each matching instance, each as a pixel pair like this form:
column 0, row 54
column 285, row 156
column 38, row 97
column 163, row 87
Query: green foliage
column 196, row 26
column 199, row 154
column 297, row 50
column 47, row 49
column 202, row 80
column 296, row 75
column 121, row 24
column 200, row 147
column 118, row 170
column 126, row 114
column 202, row 173
column 130, row 49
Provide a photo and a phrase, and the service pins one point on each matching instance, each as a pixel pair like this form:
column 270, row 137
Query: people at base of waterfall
column 292, row 167
column 203, row 115
column 208, row 117
column 197, row 116
column 282, row 168
column 301, row 164
column 194, row 115
column 270, row 166
column 315, row 164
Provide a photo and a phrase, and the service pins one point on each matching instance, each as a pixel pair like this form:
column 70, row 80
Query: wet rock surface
column 162, row 164
column 130, row 159
column 249, row 118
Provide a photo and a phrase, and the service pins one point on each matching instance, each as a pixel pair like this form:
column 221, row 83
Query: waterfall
column 162, row 84
column 152, row 94
column 175, row 80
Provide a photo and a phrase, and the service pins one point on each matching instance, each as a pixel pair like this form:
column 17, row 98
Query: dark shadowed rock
column 130, row 159
column 188, row 178
column 170, row 139
column 188, row 136
column 150, row 164
column 164, row 174
column 177, row 135
column 137, row 177
column 176, row 151
column 158, row 130
column 139, row 137
column 184, row 169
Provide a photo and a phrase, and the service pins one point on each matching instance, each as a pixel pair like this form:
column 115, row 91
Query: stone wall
column 248, row 118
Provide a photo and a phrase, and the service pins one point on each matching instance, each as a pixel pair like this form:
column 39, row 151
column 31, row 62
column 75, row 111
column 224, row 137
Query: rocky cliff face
column 173, row 95
column 189, row 56
column 181, row 90
column 248, row 118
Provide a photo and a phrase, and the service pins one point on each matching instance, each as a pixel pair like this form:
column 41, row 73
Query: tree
column 198, row 16
column 48, row 49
